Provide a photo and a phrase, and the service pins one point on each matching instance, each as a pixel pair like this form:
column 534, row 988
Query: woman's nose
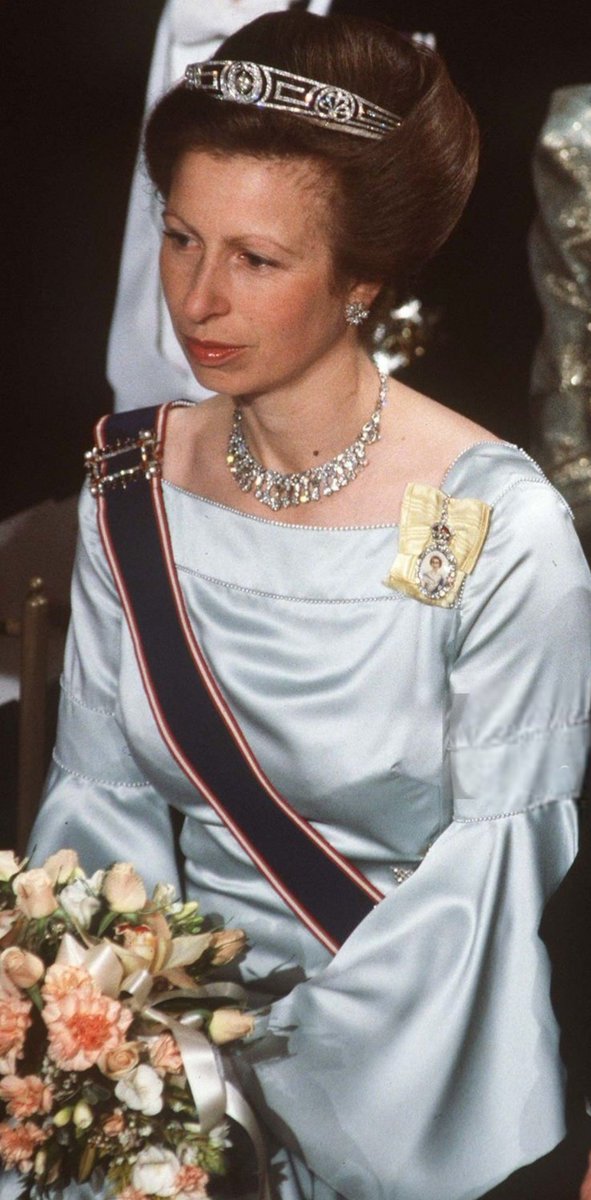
column 207, row 293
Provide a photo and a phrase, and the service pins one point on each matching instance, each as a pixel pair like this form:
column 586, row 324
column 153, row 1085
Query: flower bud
column 124, row 889
column 61, row 866
column 228, row 1024
column 83, row 1115
column 20, row 967
column 63, row 1117
column 227, row 944
column 40, row 1162
column 34, row 893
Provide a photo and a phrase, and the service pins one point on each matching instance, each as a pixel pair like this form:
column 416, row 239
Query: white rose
column 79, row 902
column 141, row 1089
column 9, row 865
column 155, row 1171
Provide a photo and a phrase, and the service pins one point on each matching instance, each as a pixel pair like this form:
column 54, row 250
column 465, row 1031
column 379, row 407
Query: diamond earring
column 356, row 312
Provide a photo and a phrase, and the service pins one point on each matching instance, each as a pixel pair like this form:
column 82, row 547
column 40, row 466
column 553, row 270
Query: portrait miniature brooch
column 441, row 538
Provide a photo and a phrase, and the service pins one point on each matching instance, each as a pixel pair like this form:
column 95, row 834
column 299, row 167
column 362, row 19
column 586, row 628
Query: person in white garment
column 426, row 743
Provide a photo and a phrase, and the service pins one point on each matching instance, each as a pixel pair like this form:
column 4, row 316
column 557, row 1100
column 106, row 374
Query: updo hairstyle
column 394, row 201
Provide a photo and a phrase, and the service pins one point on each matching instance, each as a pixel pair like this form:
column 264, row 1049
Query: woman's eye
column 257, row 260
column 182, row 240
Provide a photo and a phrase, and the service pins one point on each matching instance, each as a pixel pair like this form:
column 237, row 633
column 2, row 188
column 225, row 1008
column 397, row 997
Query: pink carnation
column 15, row 1019
column 131, row 1193
column 18, row 1144
column 82, row 1026
column 165, row 1055
column 25, row 1096
column 192, row 1183
column 61, row 979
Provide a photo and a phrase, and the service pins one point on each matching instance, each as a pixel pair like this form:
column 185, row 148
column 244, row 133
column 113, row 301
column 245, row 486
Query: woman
column 431, row 729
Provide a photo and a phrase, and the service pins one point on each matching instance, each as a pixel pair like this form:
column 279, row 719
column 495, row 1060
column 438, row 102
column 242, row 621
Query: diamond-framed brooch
column 437, row 567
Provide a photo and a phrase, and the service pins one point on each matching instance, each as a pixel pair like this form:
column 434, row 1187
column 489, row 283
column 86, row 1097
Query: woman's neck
column 303, row 425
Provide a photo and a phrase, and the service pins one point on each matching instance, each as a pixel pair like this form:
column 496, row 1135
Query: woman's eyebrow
column 237, row 239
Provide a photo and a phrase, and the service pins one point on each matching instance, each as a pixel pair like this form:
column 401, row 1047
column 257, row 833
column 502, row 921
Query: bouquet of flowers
column 105, row 1010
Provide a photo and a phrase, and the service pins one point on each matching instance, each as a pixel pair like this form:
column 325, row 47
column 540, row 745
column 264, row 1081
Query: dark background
column 71, row 98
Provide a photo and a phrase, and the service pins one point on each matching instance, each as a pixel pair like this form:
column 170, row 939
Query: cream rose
column 9, row 865
column 61, row 866
column 155, row 1171
column 228, row 1024
column 123, row 889
column 20, row 967
column 227, row 944
column 120, row 1061
column 34, row 893
column 141, row 1089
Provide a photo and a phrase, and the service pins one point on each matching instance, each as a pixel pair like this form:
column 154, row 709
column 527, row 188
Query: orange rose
column 34, row 893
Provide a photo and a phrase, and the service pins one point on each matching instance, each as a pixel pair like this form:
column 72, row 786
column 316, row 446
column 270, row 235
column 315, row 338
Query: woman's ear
column 364, row 293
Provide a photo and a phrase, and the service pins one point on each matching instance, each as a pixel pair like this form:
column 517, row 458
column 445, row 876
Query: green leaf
column 87, row 1161
column 35, row 995
column 106, row 921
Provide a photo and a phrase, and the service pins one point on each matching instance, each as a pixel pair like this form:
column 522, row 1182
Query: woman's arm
column 96, row 799
column 423, row 1062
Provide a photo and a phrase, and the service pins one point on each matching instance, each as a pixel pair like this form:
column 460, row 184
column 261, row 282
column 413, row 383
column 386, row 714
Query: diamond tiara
column 267, row 87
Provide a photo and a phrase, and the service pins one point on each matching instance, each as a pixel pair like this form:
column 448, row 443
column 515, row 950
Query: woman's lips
column 211, row 354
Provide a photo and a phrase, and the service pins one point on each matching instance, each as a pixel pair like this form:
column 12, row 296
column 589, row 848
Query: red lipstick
column 211, row 354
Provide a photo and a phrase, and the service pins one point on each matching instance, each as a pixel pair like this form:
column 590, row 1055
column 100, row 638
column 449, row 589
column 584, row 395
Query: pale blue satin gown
column 420, row 1063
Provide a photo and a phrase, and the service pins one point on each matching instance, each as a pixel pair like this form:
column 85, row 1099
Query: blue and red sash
column 322, row 888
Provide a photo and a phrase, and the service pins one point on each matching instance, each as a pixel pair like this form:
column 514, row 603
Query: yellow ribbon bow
column 441, row 538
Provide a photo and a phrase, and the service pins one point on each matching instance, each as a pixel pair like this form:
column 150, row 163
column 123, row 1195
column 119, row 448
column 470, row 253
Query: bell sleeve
column 423, row 1061
column 96, row 800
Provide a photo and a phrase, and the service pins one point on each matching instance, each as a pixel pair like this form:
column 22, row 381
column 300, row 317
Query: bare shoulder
column 428, row 435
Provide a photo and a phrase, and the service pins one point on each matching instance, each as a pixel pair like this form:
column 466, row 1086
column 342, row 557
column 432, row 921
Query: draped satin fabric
column 421, row 1062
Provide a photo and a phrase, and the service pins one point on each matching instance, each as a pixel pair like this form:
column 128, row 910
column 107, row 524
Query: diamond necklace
column 278, row 490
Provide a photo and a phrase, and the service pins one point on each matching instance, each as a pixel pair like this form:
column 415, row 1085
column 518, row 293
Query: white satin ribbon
column 214, row 1097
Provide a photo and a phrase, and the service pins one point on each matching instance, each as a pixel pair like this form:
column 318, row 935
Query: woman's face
column 247, row 271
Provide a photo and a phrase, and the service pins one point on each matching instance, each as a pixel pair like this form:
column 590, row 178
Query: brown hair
column 398, row 198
